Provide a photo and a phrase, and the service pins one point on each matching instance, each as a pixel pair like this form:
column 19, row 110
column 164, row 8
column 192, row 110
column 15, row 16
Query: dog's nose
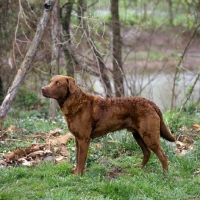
column 43, row 89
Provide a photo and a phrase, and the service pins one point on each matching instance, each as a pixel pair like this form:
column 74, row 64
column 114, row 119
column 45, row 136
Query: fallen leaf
column 63, row 150
column 196, row 127
column 184, row 128
column 15, row 155
column 25, row 162
column 183, row 148
column 19, row 153
column 39, row 153
column 14, row 129
column 59, row 159
column 9, row 156
column 189, row 139
column 55, row 132
column 197, row 171
column 62, row 139
column 3, row 162
column 4, row 136
column 32, row 148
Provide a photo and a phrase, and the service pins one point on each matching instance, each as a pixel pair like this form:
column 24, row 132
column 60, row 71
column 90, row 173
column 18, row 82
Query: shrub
column 25, row 98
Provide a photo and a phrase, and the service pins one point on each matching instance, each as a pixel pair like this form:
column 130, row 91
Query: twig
column 179, row 64
column 189, row 95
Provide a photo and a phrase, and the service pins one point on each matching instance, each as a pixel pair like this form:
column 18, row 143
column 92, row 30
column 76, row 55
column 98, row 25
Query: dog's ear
column 72, row 85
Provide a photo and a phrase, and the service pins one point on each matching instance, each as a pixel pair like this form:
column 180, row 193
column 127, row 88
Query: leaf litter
column 52, row 148
column 185, row 139
column 55, row 149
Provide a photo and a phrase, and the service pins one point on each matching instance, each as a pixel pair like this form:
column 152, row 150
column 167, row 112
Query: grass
column 49, row 181
column 110, row 173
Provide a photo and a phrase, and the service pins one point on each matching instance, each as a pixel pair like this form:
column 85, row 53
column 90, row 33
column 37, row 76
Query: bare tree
column 1, row 90
column 3, row 22
column 178, row 67
column 171, row 17
column 26, row 64
column 55, row 56
column 97, row 55
column 66, row 20
column 117, row 49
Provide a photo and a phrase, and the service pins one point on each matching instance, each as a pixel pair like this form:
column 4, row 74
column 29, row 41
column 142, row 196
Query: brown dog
column 89, row 116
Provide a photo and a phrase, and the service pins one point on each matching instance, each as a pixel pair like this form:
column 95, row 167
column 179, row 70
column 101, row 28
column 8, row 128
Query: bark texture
column 55, row 55
column 117, row 49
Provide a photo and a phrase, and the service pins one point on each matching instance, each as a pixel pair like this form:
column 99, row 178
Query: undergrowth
column 111, row 172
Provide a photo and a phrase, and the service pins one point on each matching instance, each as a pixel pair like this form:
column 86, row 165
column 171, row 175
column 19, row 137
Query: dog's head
column 59, row 87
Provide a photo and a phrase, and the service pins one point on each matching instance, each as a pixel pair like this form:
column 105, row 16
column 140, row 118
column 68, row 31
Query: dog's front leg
column 73, row 171
column 82, row 151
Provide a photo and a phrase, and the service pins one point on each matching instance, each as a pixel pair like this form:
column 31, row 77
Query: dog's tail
column 164, row 131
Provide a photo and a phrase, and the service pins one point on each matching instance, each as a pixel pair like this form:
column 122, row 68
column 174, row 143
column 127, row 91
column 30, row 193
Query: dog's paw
column 74, row 170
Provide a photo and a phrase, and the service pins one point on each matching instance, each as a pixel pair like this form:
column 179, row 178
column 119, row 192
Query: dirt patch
column 116, row 171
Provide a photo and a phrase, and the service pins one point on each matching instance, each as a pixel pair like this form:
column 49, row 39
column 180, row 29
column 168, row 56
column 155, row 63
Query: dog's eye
column 57, row 83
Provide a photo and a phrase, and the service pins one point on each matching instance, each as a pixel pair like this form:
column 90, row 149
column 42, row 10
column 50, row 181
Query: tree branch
column 26, row 64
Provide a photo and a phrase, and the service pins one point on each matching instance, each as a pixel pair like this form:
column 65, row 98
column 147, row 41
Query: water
column 157, row 87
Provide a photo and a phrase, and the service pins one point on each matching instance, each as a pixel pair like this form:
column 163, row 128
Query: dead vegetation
column 53, row 147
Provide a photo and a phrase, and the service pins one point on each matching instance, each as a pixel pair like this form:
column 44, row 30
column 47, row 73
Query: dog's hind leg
column 154, row 145
column 162, row 157
column 143, row 146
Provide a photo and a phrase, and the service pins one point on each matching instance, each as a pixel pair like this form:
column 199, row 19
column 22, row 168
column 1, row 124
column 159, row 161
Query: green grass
column 190, row 115
column 49, row 181
column 119, row 155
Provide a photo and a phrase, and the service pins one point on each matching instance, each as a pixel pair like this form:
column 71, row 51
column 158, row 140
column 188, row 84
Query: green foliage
column 190, row 115
column 132, row 13
column 33, row 121
column 25, row 98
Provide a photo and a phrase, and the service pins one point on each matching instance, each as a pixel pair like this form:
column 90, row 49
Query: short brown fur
column 89, row 116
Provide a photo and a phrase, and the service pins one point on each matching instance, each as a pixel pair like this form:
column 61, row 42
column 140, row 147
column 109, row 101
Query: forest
column 115, row 48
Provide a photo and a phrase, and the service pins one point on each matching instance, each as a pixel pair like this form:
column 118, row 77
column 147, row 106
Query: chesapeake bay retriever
column 89, row 116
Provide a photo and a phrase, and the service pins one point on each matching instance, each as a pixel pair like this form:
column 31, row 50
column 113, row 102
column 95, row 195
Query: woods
column 114, row 48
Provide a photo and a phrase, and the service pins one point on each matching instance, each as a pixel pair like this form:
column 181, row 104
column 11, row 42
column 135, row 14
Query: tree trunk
column 145, row 11
column 66, row 19
column 55, row 56
column 82, row 8
column 26, row 64
column 1, row 90
column 171, row 18
column 117, row 49
column 3, row 20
